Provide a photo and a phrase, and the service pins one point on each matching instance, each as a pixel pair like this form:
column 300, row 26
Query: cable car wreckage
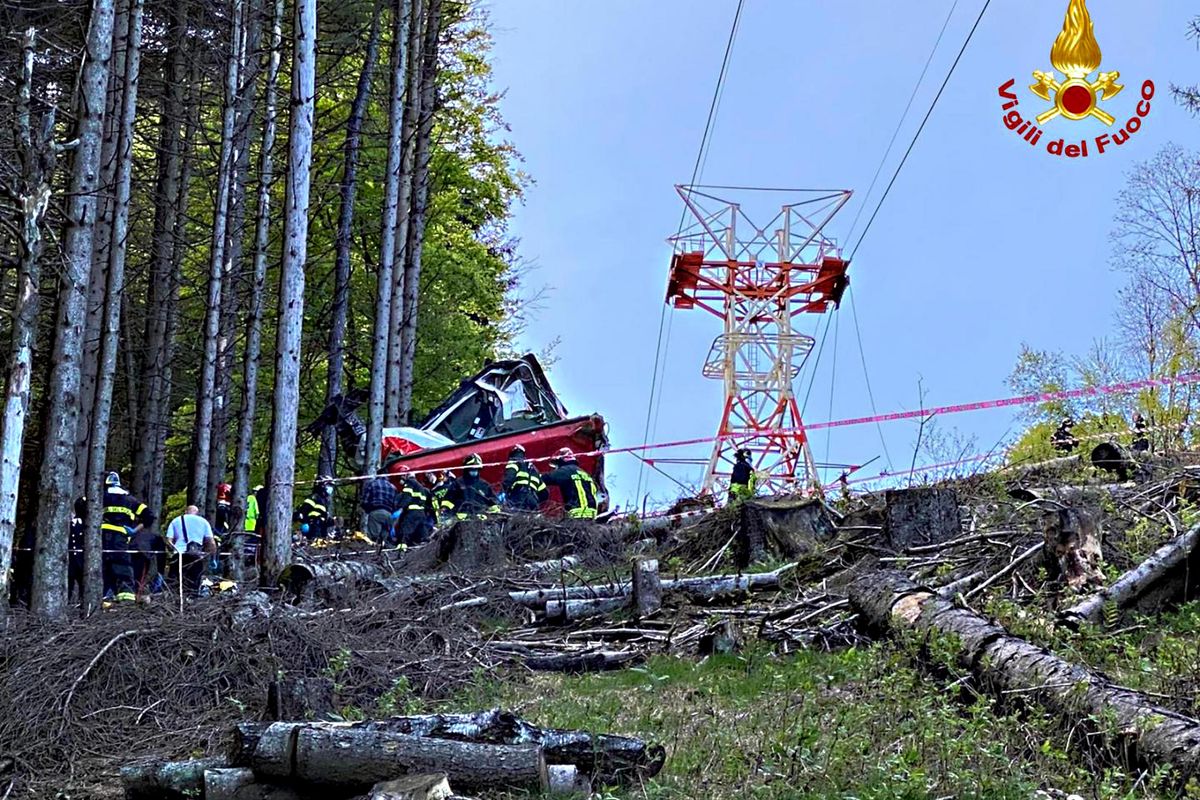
column 508, row 402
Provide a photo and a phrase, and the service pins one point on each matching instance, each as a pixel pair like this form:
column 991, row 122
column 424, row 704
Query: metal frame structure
column 758, row 280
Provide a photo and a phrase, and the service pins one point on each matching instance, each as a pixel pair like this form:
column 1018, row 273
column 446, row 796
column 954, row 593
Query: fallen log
column 576, row 663
column 349, row 756
column 1165, row 576
column 413, row 787
column 170, row 780
column 1128, row 721
column 701, row 588
column 242, row 784
column 572, row 610
column 606, row 758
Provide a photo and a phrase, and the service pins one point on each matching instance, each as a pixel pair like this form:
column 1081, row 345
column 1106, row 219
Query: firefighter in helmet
column 415, row 514
column 577, row 487
column 524, row 489
column 471, row 495
column 124, row 516
column 1063, row 439
column 743, row 481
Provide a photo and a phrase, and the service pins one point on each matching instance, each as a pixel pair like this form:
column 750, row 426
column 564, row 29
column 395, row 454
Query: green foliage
column 857, row 724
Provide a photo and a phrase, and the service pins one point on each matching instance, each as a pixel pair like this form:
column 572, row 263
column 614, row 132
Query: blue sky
column 984, row 242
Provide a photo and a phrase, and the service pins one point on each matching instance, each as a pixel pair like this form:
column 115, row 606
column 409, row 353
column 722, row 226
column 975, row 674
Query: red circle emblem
column 1077, row 99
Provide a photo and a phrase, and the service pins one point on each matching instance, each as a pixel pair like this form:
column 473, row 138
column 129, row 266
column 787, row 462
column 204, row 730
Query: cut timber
column 606, row 758
column 537, row 598
column 241, row 784
column 171, row 780
column 1072, row 550
column 566, row 779
column 1130, row 722
column 1162, row 578
column 647, row 588
column 299, row 698
column 303, row 579
column 572, row 610
column 353, row 757
column 699, row 589
column 786, row 528
column 435, row 786
column 920, row 516
column 602, row 661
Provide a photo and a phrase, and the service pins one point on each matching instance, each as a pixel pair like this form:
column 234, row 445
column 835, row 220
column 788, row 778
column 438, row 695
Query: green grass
column 862, row 724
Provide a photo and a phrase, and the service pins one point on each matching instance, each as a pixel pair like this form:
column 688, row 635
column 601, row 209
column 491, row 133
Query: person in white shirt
column 192, row 536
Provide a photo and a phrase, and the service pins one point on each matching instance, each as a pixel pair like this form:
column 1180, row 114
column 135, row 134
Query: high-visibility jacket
column 123, row 512
column 524, row 488
column 471, row 496
column 578, row 490
column 250, row 524
column 743, row 481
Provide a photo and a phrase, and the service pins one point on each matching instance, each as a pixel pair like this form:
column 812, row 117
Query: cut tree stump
column 781, row 528
column 354, row 757
column 647, row 588
column 1129, row 722
column 171, row 780
column 1169, row 575
column 296, row 699
column 1072, row 552
column 721, row 638
column 920, row 516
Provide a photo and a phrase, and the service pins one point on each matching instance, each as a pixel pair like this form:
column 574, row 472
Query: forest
column 217, row 215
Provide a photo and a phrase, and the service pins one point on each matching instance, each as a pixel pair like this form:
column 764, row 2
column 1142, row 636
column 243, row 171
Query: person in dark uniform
column 742, row 481
column 1063, row 439
column 578, row 488
column 416, row 511
column 524, row 489
column 442, row 482
column 1141, row 439
column 313, row 514
column 124, row 516
column 471, row 495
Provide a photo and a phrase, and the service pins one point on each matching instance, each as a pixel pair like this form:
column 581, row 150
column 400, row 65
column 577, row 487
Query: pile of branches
column 151, row 681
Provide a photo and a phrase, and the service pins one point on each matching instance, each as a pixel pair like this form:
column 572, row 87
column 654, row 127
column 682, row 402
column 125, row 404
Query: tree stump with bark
column 920, row 516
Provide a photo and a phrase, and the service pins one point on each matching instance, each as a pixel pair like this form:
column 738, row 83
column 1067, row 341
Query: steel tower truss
column 758, row 280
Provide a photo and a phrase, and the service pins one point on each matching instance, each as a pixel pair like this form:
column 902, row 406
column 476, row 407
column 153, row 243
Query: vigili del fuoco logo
column 1075, row 96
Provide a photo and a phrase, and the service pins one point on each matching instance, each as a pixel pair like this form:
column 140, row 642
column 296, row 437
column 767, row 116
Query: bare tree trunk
column 326, row 462
column 101, row 241
column 37, row 158
column 57, row 485
column 387, row 252
column 412, row 113
column 168, row 223
column 119, row 229
column 420, row 201
column 262, row 232
column 235, row 233
column 218, row 268
column 278, row 542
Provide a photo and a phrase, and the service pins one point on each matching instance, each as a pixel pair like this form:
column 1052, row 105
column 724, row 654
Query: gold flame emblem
column 1076, row 54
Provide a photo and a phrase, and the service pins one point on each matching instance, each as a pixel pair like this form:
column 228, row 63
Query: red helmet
column 565, row 456
column 223, row 491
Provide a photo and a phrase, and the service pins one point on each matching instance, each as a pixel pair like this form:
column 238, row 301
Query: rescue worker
column 379, row 500
column 440, row 490
column 124, row 516
column 1141, row 441
column 743, row 481
column 256, row 504
column 224, row 511
column 578, row 488
column 524, row 489
column 313, row 514
column 1063, row 440
column 416, row 511
column 471, row 495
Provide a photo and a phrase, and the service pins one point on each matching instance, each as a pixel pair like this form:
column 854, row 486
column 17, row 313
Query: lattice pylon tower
column 758, row 280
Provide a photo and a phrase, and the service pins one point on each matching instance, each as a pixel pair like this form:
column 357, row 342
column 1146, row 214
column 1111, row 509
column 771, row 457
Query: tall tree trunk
column 341, row 281
column 412, row 113
column 118, row 247
column 420, row 201
column 262, row 234
column 101, row 241
column 235, row 235
column 217, row 269
column 57, row 485
column 387, row 252
column 36, row 155
column 167, row 226
column 291, row 293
